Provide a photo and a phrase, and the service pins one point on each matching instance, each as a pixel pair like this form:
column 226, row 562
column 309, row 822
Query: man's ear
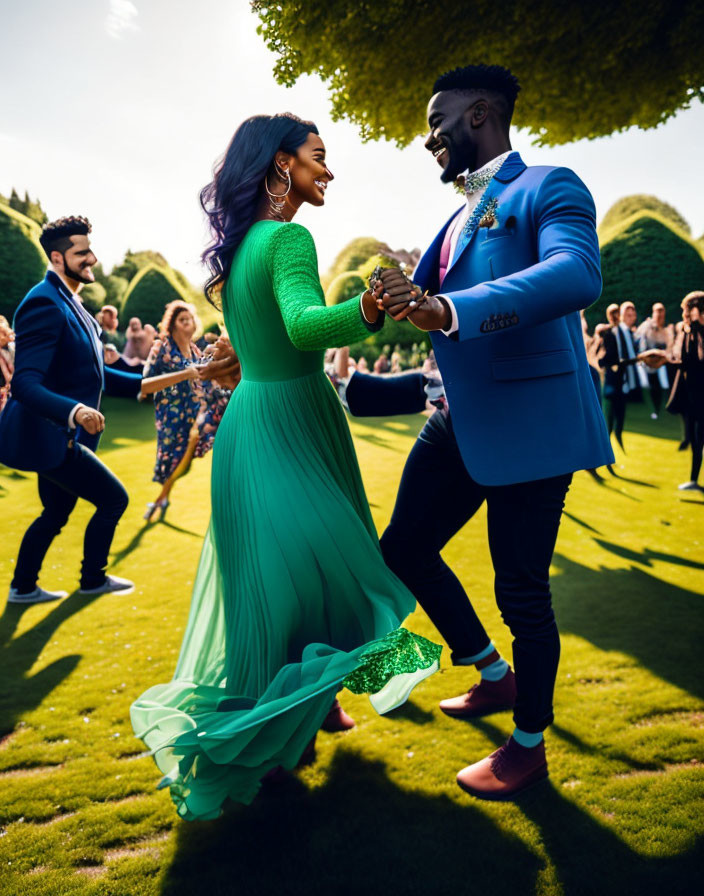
column 480, row 113
column 57, row 259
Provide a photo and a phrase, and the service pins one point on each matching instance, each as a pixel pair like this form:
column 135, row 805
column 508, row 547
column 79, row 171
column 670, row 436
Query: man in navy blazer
column 52, row 425
column 500, row 289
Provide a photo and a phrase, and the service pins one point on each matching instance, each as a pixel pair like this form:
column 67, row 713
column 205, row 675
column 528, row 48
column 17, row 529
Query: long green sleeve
column 311, row 325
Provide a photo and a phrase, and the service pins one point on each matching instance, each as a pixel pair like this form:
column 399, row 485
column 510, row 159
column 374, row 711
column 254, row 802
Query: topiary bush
column 344, row 287
column 148, row 294
column 648, row 260
column 636, row 204
column 22, row 259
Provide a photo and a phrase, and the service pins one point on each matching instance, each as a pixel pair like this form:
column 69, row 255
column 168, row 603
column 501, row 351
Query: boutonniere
column 490, row 219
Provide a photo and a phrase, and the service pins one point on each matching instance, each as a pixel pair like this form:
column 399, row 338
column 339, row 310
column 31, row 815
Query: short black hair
column 56, row 235
column 494, row 79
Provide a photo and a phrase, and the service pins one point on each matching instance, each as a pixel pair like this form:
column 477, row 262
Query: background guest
column 381, row 365
column 138, row 342
column 188, row 409
column 7, row 359
column 636, row 377
column 688, row 355
column 108, row 320
column 653, row 333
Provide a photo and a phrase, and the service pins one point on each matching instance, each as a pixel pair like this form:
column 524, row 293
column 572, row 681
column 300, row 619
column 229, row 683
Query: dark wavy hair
column 231, row 198
column 56, row 235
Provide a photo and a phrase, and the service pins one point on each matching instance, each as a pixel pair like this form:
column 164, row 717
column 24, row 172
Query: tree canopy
column 586, row 69
column 641, row 202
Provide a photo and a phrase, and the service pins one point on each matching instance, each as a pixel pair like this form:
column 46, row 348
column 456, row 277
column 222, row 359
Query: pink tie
column 445, row 252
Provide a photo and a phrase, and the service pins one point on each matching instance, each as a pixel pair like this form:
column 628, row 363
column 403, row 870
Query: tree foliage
column 28, row 207
column 587, row 69
column 641, row 202
column 149, row 293
column 648, row 260
column 22, row 260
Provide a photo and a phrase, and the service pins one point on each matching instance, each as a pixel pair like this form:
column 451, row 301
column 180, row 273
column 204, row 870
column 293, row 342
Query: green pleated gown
column 292, row 597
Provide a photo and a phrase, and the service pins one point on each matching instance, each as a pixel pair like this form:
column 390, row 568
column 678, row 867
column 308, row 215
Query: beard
column 462, row 153
column 78, row 274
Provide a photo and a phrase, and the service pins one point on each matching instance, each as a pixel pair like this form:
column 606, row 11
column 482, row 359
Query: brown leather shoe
column 483, row 698
column 337, row 719
column 506, row 773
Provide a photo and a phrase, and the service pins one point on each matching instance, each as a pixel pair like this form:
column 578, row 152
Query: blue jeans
column 81, row 475
column 437, row 496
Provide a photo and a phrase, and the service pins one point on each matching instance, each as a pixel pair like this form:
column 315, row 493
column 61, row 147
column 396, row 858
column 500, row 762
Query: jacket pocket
column 528, row 367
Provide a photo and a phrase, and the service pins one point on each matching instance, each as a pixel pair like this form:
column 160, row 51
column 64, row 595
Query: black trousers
column 436, row 498
column 615, row 408
column 696, row 435
column 80, row 475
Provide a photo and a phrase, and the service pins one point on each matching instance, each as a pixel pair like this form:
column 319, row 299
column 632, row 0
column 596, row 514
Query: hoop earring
column 277, row 201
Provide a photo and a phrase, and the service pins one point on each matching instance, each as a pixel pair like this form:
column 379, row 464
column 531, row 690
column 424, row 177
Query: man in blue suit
column 52, row 425
column 503, row 283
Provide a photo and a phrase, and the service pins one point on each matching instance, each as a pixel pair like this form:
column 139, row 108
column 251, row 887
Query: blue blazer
column 516, row 376
column 58, row 363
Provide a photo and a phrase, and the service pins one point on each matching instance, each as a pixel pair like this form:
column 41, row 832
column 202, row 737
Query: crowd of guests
column 649, row 361
column 655, row 362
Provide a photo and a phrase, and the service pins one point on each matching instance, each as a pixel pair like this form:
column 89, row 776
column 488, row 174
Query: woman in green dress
column 292, row 600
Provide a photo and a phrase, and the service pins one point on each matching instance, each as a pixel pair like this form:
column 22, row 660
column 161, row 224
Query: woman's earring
column 277, row 201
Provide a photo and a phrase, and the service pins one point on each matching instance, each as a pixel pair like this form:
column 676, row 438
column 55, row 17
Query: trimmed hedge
column 648, row 260
column 22, row 260
column 638, row 203
column 149, row 293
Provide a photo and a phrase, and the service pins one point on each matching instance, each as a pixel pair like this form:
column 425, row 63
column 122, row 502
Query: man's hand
column 225, row 368
column 91, row 420
column 401, row 299
column 110, row 354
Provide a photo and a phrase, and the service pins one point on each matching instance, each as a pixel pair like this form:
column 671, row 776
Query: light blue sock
column 526, row 739
column 496, row 671
column 471, row 660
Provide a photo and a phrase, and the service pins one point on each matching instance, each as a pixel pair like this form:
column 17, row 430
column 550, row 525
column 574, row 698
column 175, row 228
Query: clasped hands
column 224, row 368
column 400, row 298
column 653, row 358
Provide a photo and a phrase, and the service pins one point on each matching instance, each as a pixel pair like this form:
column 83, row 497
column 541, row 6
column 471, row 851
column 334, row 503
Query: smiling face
column 77, row 261
column 309, row 172
column 454, row 118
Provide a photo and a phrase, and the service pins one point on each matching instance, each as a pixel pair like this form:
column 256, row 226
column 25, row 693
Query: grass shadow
column 628, row 610
column 20, row 693
column 647, row 556
column 358, row 833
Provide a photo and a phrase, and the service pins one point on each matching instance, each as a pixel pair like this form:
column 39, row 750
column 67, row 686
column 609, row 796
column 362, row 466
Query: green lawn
column 379, row 812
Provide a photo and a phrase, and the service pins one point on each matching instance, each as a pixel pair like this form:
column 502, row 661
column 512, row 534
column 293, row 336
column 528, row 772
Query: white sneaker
column 110, row 585
column 690, row 486
column 38, row 596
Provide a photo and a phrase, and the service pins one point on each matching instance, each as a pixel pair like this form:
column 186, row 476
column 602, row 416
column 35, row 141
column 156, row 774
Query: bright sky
column 117, row 110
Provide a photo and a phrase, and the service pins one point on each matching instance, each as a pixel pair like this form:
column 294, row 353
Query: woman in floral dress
column 188, row 410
